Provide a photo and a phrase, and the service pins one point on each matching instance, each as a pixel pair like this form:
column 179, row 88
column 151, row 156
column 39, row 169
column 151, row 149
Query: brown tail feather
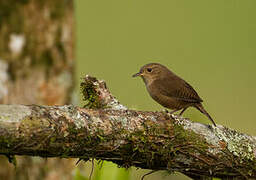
column 202, row 110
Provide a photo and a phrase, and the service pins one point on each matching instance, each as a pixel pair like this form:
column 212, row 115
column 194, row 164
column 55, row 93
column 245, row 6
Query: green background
column 210, row 44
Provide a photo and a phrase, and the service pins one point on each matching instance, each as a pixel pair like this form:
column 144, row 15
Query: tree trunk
column 36, row 67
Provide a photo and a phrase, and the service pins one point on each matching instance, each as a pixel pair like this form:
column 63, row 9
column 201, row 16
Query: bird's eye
column 149, row 69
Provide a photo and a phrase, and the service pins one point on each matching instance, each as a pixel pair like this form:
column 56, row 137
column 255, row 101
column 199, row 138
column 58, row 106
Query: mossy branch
column 151, row 140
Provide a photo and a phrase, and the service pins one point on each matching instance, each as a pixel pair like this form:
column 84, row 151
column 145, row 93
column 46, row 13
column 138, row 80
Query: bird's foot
column 170, row 113
column 165, row 110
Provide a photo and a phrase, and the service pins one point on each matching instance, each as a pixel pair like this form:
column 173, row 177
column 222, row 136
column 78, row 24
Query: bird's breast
column 163, row 100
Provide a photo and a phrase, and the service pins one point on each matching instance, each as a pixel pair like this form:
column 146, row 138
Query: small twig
column 151, row 172
column 78, row 161
column 92, row 169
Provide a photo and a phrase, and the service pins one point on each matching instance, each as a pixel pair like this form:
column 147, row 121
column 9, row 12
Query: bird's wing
column 177, row 88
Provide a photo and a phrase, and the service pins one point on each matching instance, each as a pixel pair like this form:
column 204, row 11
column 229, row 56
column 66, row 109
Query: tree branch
column 151, row 140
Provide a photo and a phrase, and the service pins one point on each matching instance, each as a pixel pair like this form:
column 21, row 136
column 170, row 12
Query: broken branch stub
column 97, row 96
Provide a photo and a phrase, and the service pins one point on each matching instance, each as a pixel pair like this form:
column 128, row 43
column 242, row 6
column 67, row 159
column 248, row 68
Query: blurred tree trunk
column 36, row 67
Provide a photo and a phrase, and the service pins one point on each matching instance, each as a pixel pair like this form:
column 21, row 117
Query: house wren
column 170, row 90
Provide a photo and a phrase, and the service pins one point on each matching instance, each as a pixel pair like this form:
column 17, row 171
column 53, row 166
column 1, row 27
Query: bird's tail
column 202, row 110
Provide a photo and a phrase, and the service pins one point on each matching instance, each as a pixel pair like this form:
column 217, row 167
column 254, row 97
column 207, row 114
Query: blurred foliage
column 79, row 176
column 211, row 44
column 101, row 171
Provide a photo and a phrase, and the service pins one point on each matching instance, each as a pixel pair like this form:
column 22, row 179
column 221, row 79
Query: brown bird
column 170, row 90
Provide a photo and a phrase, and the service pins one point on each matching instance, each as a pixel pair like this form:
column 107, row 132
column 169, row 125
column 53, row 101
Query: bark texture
column 36, row 51
column 36, row 67
column 151, row 140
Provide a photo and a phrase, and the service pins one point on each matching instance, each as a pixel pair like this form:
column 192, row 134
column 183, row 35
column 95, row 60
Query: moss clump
column 90, row 95
column 163, row 142
column 32, row 122
column 12, row 159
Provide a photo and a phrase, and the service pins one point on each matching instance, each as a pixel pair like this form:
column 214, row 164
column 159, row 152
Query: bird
column 170, row 90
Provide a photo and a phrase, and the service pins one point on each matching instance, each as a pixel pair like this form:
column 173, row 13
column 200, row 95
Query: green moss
column 12, row 159
column 149, row 142
column 30, row 123
column 5, row 142
column 90, row 96
column 52, row 139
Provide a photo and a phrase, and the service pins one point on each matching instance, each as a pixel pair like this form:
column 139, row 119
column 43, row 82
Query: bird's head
column 152, row 71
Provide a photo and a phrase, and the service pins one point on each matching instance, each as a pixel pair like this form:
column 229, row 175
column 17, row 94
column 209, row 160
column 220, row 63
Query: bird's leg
column 184, row 109
column 173, row 111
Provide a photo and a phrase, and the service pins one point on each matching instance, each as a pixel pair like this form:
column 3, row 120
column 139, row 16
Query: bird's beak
column 137, row 74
